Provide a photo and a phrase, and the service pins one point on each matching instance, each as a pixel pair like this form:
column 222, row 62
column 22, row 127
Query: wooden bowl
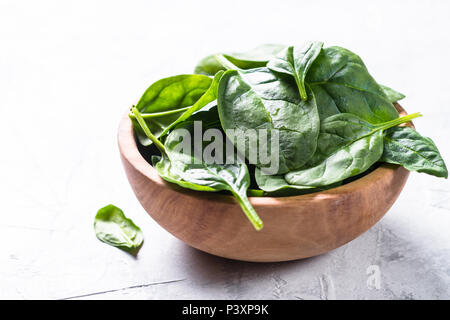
column 294, row 227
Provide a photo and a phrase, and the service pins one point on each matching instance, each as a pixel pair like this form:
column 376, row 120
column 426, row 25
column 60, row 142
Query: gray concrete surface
column 69, row 70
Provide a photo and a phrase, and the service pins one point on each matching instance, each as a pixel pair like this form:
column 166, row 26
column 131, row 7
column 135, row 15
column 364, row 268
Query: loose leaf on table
column 112, row 227
column 347, row 145
column 296, row 61
column 391, row 94
column 168, row 99
column 189, row 171
column 340, row 81
column 259, row 99
column 257, row 57
column 406, row 147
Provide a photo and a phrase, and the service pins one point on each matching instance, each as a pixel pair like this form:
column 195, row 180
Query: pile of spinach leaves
column 334, row 120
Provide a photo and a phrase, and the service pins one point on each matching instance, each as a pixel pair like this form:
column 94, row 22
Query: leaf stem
column 161, row 114
column 147, row 131
column 395, row 122
column 301, row 89
column 248, row 210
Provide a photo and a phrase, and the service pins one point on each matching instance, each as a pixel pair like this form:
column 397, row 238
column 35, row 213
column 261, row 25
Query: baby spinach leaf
column 208, row 66
column 272, row 183
column 259, row 99
column 257, row 57
column 188, row 171
column 172, row 100
column 174, row 92
column 347, row 146
column 254, row 58
column 343, row 76
column 406, row 147
column 345, row 162
column 209, row 96
column 170, row 173
column 162, row 165
column 232, row 177
column 166, row 100
column 391, row 94
column 277, row 186
column 112, row 227
column 327, row 106
column 325, row 103
column 296, row 61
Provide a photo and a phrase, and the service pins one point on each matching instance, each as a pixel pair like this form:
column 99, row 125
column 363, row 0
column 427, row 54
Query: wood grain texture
column 294, row 227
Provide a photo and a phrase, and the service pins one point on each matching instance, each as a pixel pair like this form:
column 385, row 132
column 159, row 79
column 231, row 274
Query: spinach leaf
column 332, row 120
column 257, row 57
column 406, row 147
column 296, row 62
column 347, row 146
column 162, row 165
column 112, row 227
column 272, row 183
column 343, row 77
column 259, row 99
column 170, row 173
column 254, row 58
column 209, row 96
column 209, row 66
column 277, row 186
column 391, row 94
column 174, row 92
column 189, row 171
column 326, row 106
column 168, row 99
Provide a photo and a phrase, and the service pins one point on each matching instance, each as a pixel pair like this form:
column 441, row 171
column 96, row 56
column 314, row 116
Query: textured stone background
column 69, row 70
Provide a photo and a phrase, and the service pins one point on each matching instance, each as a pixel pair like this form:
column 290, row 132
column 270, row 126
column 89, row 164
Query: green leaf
column 347, row 146
column 166, row 100
column 254, row 58
column 112, row 227
column 259, row 99
column 343, row 77
column 325, row 103
column 208, row 66
column 174, row 92
column 257, row 57
column 406, row 147
column 171, row 174
column 391, row 94
column 209, row 96
column 210, row 177
column 189, row 171
column 276, row 183
column 277, row 186
column 296, row 61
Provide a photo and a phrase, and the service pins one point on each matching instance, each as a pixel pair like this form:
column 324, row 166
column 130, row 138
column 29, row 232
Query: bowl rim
column 129, row 151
